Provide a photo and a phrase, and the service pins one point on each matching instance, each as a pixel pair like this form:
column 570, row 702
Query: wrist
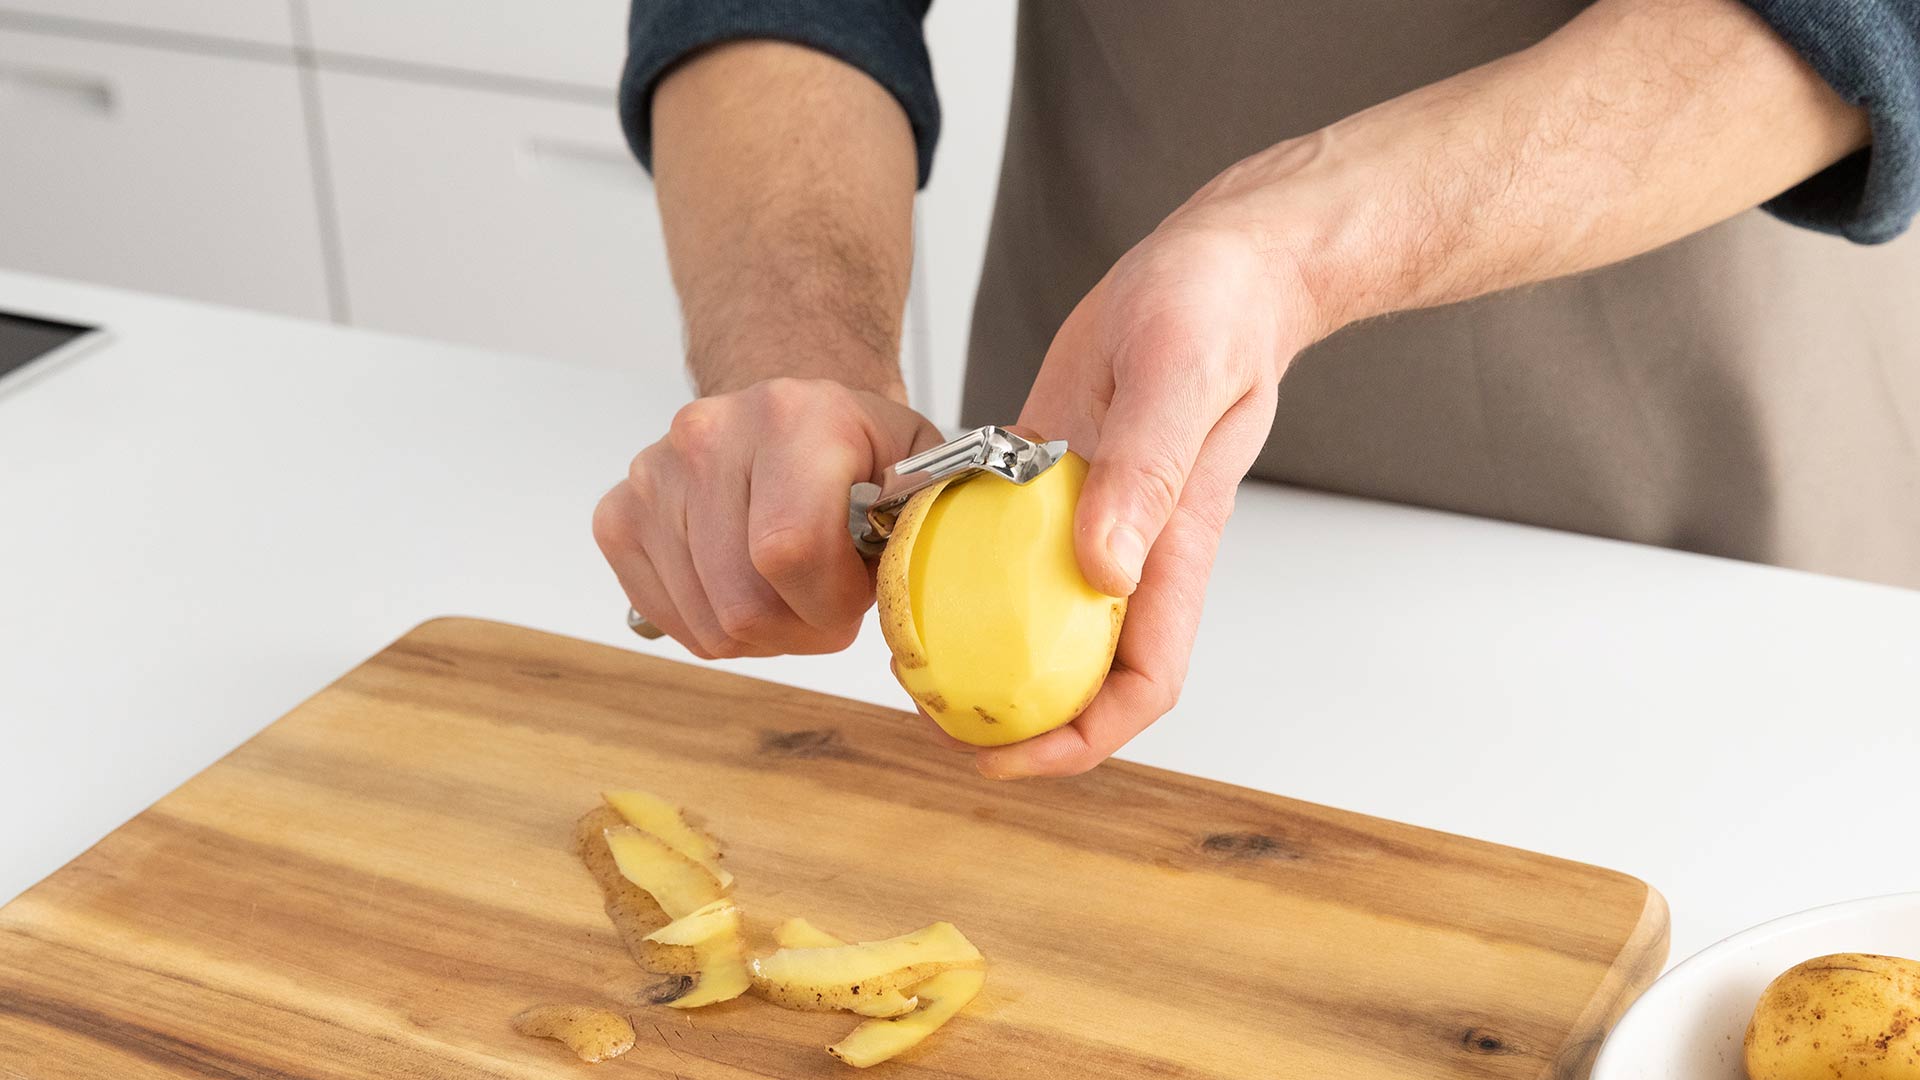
column 1332, row 215
column 734, row 366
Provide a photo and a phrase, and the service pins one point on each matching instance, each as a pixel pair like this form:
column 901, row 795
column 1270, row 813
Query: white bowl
column 1690, row 1024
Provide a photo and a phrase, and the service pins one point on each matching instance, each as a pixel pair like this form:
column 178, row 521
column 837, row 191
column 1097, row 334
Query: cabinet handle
column 542, row 154
column 73, row 89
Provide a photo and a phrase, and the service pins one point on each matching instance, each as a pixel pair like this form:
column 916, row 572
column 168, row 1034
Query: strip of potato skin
column 797, row 933
column 632, row 911
column 796, row 980
column 593, row 1033
column 679, row 885
column 668, row 823
column 878, row 1040
column 686, row 947
column 941, row 997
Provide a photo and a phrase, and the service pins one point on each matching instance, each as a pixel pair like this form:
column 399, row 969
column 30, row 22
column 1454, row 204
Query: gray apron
column 1751, row 391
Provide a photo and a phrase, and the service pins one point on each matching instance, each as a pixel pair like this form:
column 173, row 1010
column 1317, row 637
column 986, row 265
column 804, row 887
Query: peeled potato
column 993, row 628
column 1850, row 1016
column 869, row 979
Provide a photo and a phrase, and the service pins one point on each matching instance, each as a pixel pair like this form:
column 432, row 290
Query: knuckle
column 642, row 483
column 785, row 401
column 697, row 429
column 722, row 648
column 1165, row 693
column 746, row 620
column 1158, row 483
column 610, row 527
column 782, row 553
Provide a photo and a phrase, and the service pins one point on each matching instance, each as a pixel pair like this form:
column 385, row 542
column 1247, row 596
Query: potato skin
column 1849, row 1016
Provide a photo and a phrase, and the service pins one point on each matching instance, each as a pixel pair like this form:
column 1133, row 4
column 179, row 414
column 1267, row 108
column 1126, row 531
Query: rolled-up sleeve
column 1869, row 51
column 880, row 37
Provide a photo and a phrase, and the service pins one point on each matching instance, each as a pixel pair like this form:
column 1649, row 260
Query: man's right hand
column 730, row 534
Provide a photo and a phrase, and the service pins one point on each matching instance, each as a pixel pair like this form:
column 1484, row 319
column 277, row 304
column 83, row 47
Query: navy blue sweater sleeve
column 880, row 37
column 1869, row 50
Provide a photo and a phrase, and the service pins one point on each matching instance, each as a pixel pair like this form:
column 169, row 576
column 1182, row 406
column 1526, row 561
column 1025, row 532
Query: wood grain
column 377, row 883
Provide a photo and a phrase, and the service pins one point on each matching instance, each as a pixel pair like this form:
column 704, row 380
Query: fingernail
column 1128, row 550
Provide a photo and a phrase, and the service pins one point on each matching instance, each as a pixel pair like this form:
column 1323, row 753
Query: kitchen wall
column 445, row 168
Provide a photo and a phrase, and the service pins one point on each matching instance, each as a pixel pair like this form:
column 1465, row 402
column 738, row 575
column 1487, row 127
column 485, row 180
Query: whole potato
column 1850, row 1016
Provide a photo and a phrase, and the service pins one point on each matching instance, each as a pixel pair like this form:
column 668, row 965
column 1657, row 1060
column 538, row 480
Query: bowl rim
column 1675, row 980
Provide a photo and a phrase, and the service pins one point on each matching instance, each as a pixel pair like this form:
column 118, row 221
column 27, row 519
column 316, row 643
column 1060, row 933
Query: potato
column 1850, row 1016
column 652, row 814
column 869, row 979
column 993, row 628
column 707, row 945
column 594, row 1033
column 678, row 884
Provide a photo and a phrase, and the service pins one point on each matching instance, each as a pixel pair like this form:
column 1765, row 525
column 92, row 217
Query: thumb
column 1149, row 441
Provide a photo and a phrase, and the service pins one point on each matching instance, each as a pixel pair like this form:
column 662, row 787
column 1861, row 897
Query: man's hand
column 1165, row 378
column 731, row 533
column 1639, row 122
column 786, row 190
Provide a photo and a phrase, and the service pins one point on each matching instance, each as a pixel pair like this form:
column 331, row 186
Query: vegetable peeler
column 873, row 508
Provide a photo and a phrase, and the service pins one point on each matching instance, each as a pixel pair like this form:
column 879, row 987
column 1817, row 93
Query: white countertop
column 217, row 513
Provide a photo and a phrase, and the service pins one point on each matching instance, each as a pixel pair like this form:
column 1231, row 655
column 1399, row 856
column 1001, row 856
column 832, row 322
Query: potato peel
column 706, row 945
column 678, row 884
column 668, row 899
column 593, row 1033
column 875, row 1041
column 668, row 824
column 869, row 978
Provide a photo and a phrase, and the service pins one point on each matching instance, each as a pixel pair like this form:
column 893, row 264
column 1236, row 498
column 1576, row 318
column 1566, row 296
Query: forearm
column 1638, row 123
column 785, row 182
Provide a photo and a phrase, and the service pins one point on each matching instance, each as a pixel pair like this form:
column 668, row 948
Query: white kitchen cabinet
column 578, row 42
column 497, row 219
column 261, row 22
column 173, row 172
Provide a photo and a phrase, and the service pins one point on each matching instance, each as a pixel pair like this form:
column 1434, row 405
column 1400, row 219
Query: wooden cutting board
column 375, row 884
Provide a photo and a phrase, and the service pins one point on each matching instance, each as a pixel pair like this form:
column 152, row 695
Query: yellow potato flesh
column 940, row 997
column 652, row 814
column 678, row 884
column 994, row 629
column 869, row 978
column 1850, row 1016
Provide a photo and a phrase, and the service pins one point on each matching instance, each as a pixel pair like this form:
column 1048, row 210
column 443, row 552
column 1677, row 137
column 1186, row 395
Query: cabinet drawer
column 500, row 220
column 581, row 42
column 262, row 22
column 170, row 172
